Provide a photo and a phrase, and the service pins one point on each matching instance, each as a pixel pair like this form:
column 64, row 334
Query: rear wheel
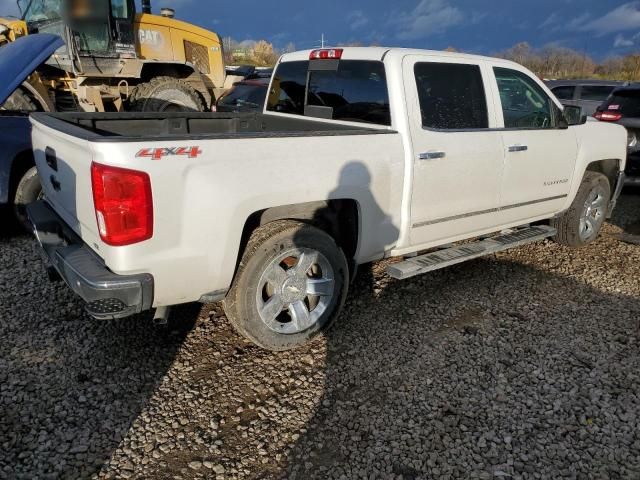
column 581, row 224
column 166, row 94
column 291, row 286
column 27, row 191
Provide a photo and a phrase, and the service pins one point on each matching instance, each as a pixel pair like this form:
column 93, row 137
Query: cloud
column 429, row 17
column 551, row 21
column 578, row 23
column 625, row 42
column 622, row 42
column 625, row 17
column 357, row 20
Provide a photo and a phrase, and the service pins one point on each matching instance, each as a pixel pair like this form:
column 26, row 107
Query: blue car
column 19, row 184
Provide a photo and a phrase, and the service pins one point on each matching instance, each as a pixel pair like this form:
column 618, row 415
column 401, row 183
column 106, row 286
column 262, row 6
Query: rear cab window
column 288, row 88
column 346, row 90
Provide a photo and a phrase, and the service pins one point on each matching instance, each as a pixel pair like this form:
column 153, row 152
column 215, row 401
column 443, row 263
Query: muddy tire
column 166, row 94
column 27, row 191
column 290, row 287
column 581, row 224
column 20, row 101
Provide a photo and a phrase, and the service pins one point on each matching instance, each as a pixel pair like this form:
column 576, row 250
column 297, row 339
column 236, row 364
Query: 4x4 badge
column 159, row 153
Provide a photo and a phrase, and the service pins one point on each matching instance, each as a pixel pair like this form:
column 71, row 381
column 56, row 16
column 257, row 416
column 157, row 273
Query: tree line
column 551, row 62
column 555, row 62
column 259, row 53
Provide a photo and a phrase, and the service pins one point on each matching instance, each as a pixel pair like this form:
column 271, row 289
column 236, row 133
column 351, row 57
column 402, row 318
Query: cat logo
column 151, row 38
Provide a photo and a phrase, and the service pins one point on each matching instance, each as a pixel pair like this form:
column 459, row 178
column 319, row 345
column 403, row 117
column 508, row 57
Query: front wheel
column 166, row 94
column 581, row 224
column 290, row 287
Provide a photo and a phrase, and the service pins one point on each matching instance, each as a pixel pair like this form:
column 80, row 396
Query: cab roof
column 381, row 53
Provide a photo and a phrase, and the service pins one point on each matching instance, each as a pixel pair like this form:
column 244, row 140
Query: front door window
column 524, row 103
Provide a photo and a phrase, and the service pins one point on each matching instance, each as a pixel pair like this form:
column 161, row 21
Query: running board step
column 462, row 253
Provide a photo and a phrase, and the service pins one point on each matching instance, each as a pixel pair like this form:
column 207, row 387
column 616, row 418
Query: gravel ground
column 522, row 365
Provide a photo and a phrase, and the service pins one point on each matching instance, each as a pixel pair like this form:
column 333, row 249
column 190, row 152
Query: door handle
column 432, row 155
column 518, row 148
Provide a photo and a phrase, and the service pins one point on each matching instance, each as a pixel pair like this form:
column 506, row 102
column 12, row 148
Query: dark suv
column 623, row 107
column 586, row 94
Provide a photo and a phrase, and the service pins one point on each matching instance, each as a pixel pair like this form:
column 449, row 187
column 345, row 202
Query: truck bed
column 134, row 127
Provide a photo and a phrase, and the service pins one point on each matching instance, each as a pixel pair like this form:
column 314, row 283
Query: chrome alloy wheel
column 593, row 215
column 295, row 290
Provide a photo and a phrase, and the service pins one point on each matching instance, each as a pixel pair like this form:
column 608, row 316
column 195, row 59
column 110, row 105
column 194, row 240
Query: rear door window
column 451, row 96
column 564, row 93
column 595, row 93
column 356, row 92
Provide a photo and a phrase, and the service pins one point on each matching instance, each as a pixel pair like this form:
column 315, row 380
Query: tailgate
column 64, row 165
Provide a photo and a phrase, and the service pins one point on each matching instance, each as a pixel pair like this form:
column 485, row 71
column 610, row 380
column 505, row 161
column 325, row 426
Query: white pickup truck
column 361, row 154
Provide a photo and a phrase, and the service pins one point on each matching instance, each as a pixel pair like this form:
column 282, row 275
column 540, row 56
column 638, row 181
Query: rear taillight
column 608, row 116
column 123, row 204
column 326, row 54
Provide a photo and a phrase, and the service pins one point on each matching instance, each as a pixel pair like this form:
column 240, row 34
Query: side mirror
column 573, row 116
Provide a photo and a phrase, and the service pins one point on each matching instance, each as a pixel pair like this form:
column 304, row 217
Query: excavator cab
column 91, row 28
column 117, row 59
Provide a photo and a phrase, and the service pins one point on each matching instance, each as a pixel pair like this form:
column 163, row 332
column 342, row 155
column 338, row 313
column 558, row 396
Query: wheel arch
column 22, row 162
column 39, row 95
column 339, row 218
column 610, row 168
column 149, row 70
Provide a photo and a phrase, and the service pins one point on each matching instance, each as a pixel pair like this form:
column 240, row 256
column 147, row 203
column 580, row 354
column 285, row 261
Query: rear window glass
column 564, row 93
column 250, row 95
column 597, row 93
column 451, row 96
column 625, row 102
column 288, row 89
column 356, row 92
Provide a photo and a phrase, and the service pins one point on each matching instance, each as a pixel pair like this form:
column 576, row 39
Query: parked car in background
column 19, row 182
column 587, row 94
column 360, row 154
column 623, row 107
column 248, row 95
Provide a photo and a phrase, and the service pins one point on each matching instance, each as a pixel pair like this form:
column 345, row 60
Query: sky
column 598, row 27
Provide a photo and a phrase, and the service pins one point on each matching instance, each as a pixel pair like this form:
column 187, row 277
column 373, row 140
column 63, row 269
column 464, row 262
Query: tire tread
column 565, row 224
column 144, row 91
column 256, row 242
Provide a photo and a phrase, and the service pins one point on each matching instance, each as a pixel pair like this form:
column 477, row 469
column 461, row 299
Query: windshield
column 246, row 95
column 38, row 11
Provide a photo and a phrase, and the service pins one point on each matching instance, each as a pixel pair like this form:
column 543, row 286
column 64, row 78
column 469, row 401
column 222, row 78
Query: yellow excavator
column 116, row 59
